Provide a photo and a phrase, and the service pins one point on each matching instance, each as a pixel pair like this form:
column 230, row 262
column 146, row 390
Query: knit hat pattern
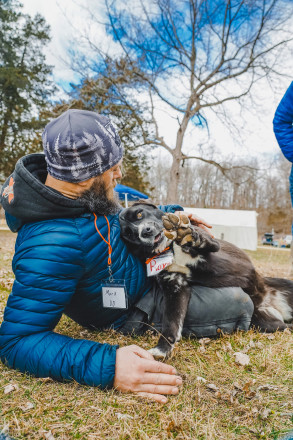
column 80, row 144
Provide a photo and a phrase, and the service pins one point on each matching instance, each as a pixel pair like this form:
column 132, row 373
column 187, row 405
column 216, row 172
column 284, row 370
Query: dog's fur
column 207, row 262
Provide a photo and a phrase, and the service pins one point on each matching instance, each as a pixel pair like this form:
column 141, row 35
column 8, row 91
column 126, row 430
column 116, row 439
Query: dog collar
column 157, row 255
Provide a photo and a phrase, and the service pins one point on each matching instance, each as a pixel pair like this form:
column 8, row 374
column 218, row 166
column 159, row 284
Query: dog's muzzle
column 150, row 231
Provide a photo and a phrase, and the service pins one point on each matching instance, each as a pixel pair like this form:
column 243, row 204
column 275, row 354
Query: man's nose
column 118, row 174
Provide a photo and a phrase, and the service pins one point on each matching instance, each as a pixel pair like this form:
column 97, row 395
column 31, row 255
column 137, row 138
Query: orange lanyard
column 155, row 256
column 107, row 242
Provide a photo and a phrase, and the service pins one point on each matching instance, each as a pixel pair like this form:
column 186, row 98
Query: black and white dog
column 199, row 259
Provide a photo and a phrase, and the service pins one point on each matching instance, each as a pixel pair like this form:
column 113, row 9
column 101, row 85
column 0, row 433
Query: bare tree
column 195, row 55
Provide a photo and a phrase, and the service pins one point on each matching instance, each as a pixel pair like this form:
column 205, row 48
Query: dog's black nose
column 147, row 232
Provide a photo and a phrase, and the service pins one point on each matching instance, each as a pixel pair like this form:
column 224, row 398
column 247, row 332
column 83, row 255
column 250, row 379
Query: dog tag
column 114, row 296
column 159, row 263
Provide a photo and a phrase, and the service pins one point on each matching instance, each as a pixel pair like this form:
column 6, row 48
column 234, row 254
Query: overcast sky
column 257, row 134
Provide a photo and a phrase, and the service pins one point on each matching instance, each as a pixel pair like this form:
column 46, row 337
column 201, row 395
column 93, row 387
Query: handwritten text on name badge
column 156, row 265
column 114, row 297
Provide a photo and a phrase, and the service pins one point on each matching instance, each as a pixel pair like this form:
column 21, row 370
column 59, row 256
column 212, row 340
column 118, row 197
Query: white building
column 236, row 226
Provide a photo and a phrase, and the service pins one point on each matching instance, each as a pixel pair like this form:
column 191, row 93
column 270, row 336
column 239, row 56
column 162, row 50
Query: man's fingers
column 207, row 230
column 153, row 397
column 198, row 220
column 158, row 367
column 142, row 353
column 158, row 389
column 162, row 379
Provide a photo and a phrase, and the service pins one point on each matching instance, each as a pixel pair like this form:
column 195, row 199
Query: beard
column 96, row 199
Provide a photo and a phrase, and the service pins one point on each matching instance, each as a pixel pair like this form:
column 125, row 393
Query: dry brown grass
column 239, row 409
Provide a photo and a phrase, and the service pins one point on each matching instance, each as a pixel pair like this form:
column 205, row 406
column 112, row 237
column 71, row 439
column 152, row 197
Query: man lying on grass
column 69, row 258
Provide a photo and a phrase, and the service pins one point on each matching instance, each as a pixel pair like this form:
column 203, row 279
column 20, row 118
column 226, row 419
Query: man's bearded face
column 100, row 199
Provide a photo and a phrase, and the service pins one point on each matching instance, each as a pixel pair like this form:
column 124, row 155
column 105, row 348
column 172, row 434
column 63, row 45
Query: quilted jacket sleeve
column 283, row 124
column 170, row 208
column 46, row 275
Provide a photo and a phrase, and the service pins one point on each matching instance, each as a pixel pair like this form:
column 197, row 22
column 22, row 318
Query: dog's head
column 142, row 229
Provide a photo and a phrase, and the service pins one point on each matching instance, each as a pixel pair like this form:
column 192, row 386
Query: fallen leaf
column 27, row 407
column 265, row 413
column 121, row 416
column 271, row 337
column 201, row 379
column 248, row 346
column 46, row 379
column 227, row 347
column 247, row 385
column 237, row 386
column 173, row 428
column 204, row 341
column 234, row 393
column 10, row 388
column 250, row 394
column 287, row 331
column 241, row 358
column 202, row 349
column 48, row 435
column 198, row 395
column 266, row 387
column 212, row 387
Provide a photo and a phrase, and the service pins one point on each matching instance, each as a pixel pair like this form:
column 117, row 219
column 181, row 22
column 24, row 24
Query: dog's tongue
column 157, row 237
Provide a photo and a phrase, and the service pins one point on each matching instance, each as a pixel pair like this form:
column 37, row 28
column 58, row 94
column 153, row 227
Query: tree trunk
column 172, row 193
column 4, row 129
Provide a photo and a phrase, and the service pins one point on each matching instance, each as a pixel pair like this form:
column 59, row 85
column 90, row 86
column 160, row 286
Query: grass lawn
column 251, row 402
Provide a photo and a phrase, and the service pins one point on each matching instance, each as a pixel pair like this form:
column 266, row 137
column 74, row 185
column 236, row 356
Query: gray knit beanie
column 80, row 144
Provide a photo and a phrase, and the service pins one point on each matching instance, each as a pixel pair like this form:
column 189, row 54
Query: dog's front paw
column 177, row 228
column 164, row 348
column 158, row 353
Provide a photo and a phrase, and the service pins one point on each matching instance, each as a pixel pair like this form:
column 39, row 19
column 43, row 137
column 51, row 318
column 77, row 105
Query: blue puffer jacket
column 60, row 261
column 283, row 124
column 283, row 129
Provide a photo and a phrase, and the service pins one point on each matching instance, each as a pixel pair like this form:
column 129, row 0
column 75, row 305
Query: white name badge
column 114, row 296
column 156, row 265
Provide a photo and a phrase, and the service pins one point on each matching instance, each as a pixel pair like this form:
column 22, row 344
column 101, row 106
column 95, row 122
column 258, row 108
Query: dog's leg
column 199, row 241
column 267, row 322
column 176, row 298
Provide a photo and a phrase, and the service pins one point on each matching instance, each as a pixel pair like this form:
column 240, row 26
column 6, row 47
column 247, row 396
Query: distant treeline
column 249, row 185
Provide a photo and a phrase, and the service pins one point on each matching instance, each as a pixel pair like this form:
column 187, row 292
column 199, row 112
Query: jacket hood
column 25, row 197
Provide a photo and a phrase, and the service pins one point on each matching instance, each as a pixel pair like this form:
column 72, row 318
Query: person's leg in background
column 210, row 312
column 291, row 194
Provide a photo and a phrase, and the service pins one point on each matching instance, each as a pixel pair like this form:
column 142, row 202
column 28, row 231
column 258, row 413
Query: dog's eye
column 139, row 215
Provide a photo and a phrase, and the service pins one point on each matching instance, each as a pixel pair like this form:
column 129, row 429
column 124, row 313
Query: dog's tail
column 276, row 306
column 282, row 285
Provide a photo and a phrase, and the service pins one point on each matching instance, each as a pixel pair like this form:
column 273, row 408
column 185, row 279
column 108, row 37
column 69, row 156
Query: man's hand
column 196, row 221
column 137, row 372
